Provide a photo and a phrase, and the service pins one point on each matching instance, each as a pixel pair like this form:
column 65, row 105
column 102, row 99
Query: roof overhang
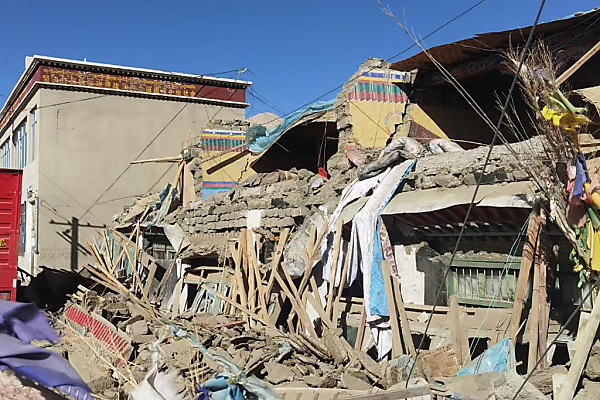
column 510, row 195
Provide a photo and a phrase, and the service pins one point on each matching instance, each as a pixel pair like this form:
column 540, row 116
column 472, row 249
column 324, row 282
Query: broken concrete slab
column 592, row 368
column 137, row 328
column 542, row 379
column 278, row 373
column 589, row 391
column 352, row 382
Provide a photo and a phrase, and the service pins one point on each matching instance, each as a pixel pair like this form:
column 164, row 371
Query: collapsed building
column 375, row 232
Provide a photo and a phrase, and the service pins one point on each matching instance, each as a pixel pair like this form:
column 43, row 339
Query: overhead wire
column 560, row 332
column 387, row 60
column 487, row 160
column 504, row 272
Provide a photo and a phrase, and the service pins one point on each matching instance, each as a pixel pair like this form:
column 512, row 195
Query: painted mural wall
column 377, row 105
column 228, row 160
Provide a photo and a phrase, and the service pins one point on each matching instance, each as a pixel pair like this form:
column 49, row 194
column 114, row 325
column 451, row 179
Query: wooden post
column 459, row 340
column 361, row 330
column 538, row 300
column 544, row 305
column 526, row 260
column 409, row 344
column 573, row 68
column 586, row 339
column 387, row 281
column 334, row 266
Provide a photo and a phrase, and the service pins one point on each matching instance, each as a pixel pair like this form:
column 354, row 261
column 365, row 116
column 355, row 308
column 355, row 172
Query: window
column 20, row 143
column 5, row 154
column 33, row 123
column 22, row 233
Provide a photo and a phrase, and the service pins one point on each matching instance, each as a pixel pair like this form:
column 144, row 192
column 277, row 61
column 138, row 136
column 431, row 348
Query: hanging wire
column 480, row 177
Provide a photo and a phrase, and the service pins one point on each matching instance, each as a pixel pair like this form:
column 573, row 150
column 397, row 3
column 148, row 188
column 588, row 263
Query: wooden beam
column 526, row 261
column 158, row 160
column 536, row 303
column 387, row 281
column 361, row 330
column 409, row 344
column 573, row 68
column 459, row 338
column 585, row 339
column 241, row 308
column 337, row 241
column 415, row 391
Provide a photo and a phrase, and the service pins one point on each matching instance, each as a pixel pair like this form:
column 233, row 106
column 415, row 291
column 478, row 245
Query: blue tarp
column 498, row 358
column 259, row 137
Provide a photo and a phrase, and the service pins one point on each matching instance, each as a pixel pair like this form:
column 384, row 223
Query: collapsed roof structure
column 353, row 226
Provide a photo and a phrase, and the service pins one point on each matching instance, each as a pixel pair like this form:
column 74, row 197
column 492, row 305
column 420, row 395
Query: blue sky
column 295, row 50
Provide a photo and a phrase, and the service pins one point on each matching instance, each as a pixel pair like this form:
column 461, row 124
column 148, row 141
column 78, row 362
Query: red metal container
column 10, row 212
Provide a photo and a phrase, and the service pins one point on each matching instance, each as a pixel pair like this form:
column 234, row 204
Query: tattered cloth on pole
column 365, row 249
column 21, row 323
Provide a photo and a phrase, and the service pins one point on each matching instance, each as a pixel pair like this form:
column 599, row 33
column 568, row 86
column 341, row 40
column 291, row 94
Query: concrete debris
column 352, row 382
column 543, row 379
column 592, row 368
column 589, row 391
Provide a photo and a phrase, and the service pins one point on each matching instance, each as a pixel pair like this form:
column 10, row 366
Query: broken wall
column 220, row 157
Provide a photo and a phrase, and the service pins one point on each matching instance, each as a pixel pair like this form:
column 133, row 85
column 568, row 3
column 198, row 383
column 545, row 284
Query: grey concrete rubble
column 290, row 199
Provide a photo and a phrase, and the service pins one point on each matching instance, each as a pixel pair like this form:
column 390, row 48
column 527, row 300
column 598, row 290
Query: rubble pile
column 281, row 359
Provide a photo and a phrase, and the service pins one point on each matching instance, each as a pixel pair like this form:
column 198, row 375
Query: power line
column 560, row 332
column 254, row 93
column 480, row 178
column 129, row 165
column 17, row 35
column 387, row 60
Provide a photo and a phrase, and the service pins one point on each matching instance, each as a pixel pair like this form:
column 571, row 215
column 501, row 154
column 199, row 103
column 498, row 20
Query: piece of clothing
column 366, row 254
column 581, row 176
column 354, row 191
column 19, row 324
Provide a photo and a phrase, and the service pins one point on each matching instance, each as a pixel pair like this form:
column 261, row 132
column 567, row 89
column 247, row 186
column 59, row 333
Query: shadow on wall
column 49, row 289
column 71, row 236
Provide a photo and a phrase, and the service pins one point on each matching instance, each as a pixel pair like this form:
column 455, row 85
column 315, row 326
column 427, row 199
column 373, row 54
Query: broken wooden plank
column 459, row 337
column 538, row 287
column 573, row 68
column 337, row 241
column 361, row 330
column 150, row 279
column 526, row 262
column 277, row 259
column 300, row 311
column 583, row 351
column 387, row 282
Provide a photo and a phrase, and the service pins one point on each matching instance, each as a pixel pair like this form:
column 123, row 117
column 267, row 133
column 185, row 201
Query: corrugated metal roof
column 514, row 194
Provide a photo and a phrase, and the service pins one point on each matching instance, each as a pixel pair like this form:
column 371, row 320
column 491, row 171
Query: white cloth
column 356, row 190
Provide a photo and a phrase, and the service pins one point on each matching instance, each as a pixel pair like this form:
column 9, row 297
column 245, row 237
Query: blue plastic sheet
column 498, row 358
column 263, row 137
column 21, row 323
column 377, row 299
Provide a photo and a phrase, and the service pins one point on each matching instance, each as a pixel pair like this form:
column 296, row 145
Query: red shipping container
column 10, row 213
